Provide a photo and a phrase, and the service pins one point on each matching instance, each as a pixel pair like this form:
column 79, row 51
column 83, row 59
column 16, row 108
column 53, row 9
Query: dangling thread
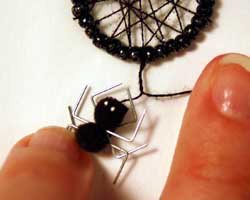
column 141, row 87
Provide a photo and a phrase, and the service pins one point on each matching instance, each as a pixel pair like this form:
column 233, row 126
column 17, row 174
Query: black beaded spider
column 109, row 114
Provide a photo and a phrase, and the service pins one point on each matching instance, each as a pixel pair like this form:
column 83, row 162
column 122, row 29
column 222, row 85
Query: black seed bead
column 204, row 11
column 78, row 10
column 182, row 41
column 170, row 46
column 206, row 3
column 134, row 53
column 100, row 40
column 86, row 21
column 191, row 31
column 123, row 53
column 160, row 50
column 91, row 32
column 82, row 2
column 91, row 137
column 75, row 1
column 113, row 46
column 199, row 22
column 148, row 53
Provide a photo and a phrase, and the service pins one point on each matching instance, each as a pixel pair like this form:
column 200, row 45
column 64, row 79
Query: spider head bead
column 109, row 113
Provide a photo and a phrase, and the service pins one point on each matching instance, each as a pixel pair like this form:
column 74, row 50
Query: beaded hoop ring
column 117, row 31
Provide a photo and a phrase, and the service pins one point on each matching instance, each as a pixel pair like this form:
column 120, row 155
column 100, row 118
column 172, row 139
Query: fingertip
column 211, row 158
column 48, row 163
column 24, row 142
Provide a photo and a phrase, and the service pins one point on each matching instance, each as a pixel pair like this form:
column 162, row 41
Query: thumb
column 212, row 155
column 47, row 165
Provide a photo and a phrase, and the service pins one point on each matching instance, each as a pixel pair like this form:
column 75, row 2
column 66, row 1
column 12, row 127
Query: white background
column 45, row 61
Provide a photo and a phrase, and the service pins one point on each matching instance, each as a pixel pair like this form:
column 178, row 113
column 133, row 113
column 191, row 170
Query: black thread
column 141, row 87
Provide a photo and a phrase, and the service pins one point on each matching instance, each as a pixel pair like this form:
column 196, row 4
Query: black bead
column 204, row 11
column 100, row 40
column 79, row 10
column 199, row 22
column 170, row 46
column 160, row 50
column 113, row 46
column 86, row 21
column 109, row 113
column 134, row 53
column 191, row 31
column 91, row 137
column 182, row 41
column 82, row 2
column 148, row 53
column 75, row 1
column 91, row 31
column 206, row 3
column 123, row 53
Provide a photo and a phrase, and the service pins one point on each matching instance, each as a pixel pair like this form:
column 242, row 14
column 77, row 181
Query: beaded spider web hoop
column 143, row 30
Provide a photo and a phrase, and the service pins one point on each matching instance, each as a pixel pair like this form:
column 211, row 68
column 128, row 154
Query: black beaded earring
column 143, row 30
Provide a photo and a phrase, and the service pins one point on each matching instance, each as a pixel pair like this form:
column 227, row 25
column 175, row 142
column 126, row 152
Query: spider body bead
column 91, row 137
column 109, row 113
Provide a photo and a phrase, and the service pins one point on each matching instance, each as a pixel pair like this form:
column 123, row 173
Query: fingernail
column 56, row 139
column 231, row 87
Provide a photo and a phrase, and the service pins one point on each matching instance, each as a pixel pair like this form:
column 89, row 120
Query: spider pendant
column 108, row 114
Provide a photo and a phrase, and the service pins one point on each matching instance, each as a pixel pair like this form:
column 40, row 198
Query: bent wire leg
column 73, row 123
column 131, row 151
column 123, row 162
column 76, row 108
column 132, row 108
column 138, row 126
column 103, row 91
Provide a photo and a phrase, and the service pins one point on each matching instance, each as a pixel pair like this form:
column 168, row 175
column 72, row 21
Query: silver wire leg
column 135, row 132
column 132, row 107
column 103, row 91
column 73, row 123
column 123, row 162
column 124, row 155
column 132, row 151
column 76, row 108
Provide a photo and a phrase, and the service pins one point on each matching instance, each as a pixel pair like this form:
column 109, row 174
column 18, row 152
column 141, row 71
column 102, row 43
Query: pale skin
column 211, row 162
